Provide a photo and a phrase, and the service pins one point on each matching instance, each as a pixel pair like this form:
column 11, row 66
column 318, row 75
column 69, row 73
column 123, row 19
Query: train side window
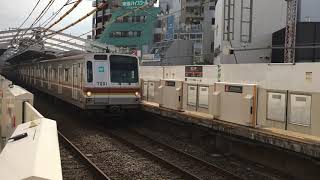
column 66, row 75
column 89, row 72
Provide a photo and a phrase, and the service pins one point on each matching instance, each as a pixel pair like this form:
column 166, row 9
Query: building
column 307, row 34
column 309, row 11
column 169, row 17
column 168, row 53
column 100, row 18
column 190, row 20
column 247, row 24
column 126, row 28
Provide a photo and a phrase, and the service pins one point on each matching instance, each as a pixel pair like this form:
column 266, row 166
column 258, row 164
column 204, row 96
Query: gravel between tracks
column 72, row 167
column 112, row 157
column 244, row 169
column 121, row 162
column 180, row 160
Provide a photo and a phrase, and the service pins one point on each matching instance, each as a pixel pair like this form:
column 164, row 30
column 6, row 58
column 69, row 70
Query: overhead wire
column 64, row 15
column 47, row 7
column 46, row 10
column 102, row 5
column 18, row 30
column 54, row 15
column 56, row 22
column 30, row 14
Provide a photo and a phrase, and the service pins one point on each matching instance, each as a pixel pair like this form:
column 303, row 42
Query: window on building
column 246, row 21
column 213, row 21
column 228, row 33
column 122, row 34
column 137, row 19
column 126, row 19
column 144, row 18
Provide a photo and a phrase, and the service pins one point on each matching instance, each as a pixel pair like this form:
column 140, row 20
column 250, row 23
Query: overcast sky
column 14, row 12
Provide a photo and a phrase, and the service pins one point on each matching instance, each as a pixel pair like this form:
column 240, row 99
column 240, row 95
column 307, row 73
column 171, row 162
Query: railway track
column 114, row 158
column 97, row 173
column 124, row 154
column 190, row 166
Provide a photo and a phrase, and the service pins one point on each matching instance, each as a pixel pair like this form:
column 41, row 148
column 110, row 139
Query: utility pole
column 291, row 27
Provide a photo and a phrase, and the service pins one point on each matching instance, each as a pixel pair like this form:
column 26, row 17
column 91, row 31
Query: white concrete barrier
column 12, row 114
column 31, row 148
column 35, row 156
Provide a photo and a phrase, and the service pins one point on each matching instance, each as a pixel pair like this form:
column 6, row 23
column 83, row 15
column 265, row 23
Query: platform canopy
column 35, row 44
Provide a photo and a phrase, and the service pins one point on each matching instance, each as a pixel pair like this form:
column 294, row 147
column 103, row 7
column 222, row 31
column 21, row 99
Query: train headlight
column 137, row 94
column 89, row 94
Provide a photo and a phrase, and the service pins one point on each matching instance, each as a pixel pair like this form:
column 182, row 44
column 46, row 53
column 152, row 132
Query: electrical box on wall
column 276, row 106
column 204, row 96
column 300, row 110
column 171, row 94
column 235, row 103
column 192, row 95
column 151, row 86
column 216, row 104
column 145, row 90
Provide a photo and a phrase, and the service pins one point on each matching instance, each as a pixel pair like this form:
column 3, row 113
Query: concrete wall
column 300, row 79
column 267, row 17
column 210, row 73
column 179, row 53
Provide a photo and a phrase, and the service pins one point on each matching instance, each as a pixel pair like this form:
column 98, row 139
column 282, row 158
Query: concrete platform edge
column 306, row 147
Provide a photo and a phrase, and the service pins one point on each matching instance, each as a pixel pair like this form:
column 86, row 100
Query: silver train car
column 89, row 81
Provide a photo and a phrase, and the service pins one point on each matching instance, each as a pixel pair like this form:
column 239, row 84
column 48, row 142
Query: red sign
column 193, row 71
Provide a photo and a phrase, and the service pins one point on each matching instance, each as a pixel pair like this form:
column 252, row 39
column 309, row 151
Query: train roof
column 81, row 56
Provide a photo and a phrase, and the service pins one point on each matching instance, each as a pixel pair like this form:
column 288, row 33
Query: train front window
column 124, row 69
column 89, row 72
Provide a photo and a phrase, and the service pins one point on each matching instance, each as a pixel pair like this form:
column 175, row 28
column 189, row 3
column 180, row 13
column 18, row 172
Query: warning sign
column 193, row 71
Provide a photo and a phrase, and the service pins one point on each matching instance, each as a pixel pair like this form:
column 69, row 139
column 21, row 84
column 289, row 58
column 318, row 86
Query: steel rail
column 155, row 157
column 94, row 167
column 219, row 169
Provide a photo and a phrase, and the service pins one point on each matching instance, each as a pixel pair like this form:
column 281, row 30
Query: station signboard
column 132, row 4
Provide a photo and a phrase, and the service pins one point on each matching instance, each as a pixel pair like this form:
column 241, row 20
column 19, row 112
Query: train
column 89, row 81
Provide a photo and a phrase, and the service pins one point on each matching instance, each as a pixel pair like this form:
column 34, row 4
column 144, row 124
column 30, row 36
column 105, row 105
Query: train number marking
column 102, row 83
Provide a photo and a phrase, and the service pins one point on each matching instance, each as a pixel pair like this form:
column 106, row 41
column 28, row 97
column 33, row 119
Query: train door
column 75, row 81
column 49, row 77
column 60, row 77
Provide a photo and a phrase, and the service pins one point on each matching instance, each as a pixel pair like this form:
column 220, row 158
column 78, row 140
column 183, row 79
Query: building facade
column 100, row 18
column 190, row 20
column 247, row 24
column 126, row 27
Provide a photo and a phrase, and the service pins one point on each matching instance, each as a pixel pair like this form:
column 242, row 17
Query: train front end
column 112, row 82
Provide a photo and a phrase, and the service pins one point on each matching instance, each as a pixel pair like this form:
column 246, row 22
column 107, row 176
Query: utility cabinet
column 235, row 103
column 171, row 94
